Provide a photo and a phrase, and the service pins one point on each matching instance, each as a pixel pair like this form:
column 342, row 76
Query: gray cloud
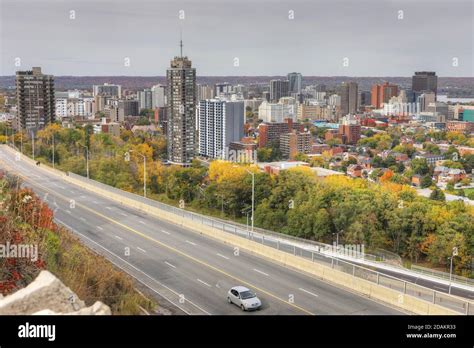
column 258, row 32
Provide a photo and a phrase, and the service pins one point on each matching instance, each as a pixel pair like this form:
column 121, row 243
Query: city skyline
column 266, row 43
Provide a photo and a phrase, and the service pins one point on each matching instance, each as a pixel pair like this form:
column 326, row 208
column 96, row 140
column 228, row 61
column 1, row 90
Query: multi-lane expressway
column 191, row 271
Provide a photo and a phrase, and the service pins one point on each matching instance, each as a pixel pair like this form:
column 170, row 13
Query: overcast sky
column 431, row 34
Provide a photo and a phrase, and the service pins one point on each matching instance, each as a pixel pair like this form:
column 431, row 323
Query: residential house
column 355, row 170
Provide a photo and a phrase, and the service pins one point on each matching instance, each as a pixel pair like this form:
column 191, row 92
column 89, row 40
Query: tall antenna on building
column 181, row 42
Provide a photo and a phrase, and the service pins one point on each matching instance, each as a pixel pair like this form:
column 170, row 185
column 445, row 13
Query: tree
column 301, row 157
column 264, row 154
column 420, row 166
column 387, row 176
column 437, row 195
column 320, row 131
column 407, row 149
column 450, row 186
column 377, row 162
column 334, row 142
column 375, row 174
column 468, row 162
column 453, row 164
column 143, row 121
column 431, row 148
column 426, row 181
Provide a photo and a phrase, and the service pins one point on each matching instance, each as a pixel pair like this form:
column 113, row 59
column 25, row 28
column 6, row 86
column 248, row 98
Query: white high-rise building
column 69, row 107
column 145, row 98
column 334, row 100
column 158, row 96
column 61, row 107
column 276, row 112
column 205, row 92
column 320, row 96
column 220, row 123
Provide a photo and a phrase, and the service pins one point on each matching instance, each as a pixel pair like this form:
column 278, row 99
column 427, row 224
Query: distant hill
column 455, row 86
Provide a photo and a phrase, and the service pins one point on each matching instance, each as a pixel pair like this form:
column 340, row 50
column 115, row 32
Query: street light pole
column 337, row 237
column 53, row 151
column 144, row 172
column 87, row 159
column 253, row 195
column 144, row 176
column 33, row 144
column 455, row 253
column 221, row 196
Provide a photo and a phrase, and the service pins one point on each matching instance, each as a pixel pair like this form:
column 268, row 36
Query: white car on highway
column 244, row 298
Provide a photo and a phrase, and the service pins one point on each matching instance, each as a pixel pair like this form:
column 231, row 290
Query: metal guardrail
column 457, row 304
column 442, row 275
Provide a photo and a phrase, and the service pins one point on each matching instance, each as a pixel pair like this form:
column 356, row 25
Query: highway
column 191, row 271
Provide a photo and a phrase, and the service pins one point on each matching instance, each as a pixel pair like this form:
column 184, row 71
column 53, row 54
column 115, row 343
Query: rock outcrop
column 48, row 295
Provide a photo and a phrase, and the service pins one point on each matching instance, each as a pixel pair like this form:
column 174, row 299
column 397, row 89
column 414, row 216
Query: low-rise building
column 295, row 142
column 444, row 174
column 431, row 159
column 269, row 132
column 243, row 151
column 277, row 167
column 355, row 170
column 112, row 128
column 460, row 126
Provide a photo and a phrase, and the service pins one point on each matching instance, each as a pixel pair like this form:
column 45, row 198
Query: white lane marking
column 203, row 282
column 165, row 232
column 95, row 202
column 225, row 257
column 120, row 238
column 169, row 264
column 61, row 187
column 109, row 208
column 308, row 292
column 82, row 218
column 192, row 243
column 68, row 211
column 437, row 287
column 258, row 271
column 138, row 270
column 142, row 222
column 83, row 196
column 144, row 251
column 123, row 214
column 72, row 191
column 99, row 228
